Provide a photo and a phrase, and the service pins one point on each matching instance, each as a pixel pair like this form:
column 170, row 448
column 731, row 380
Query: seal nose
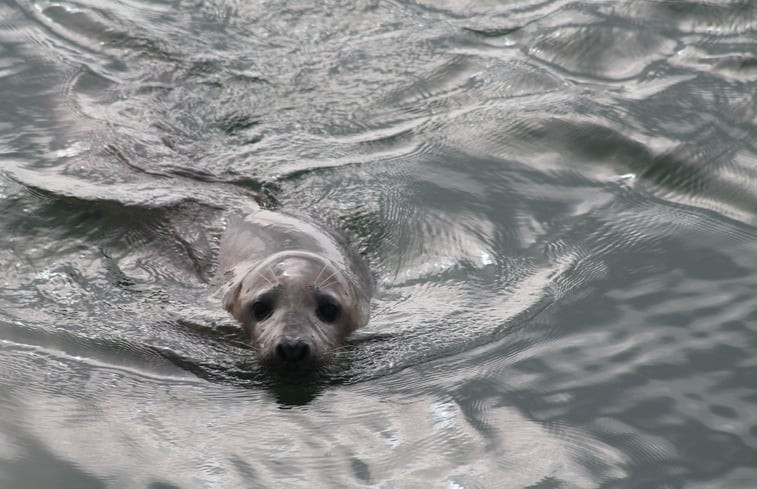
column 292, row 351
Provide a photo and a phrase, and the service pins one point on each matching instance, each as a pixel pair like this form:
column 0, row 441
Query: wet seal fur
column 297, row 288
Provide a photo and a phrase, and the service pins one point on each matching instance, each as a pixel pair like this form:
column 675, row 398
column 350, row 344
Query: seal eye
column 261, row 309
column 327, row 310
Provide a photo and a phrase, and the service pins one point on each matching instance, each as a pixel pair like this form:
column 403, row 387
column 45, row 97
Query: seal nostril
column 281, row 351
column 292, row 351
column 302, row 351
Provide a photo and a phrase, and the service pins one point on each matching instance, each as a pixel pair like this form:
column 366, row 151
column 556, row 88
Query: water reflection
column 556, row 199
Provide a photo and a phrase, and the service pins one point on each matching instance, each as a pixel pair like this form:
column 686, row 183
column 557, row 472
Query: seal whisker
column 265, row 278
column 326, row 281
column 315, row 281
column 329, row 284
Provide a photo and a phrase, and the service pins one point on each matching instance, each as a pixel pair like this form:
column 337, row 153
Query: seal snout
column 292, row 351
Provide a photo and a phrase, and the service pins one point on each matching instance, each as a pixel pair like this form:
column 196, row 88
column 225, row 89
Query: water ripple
column 556, row 198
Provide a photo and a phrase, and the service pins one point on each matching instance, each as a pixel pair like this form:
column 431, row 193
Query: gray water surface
column 558, row 200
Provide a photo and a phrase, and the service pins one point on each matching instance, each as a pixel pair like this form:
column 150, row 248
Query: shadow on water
column 230, row 361
column 288, row 389
column 293, row 390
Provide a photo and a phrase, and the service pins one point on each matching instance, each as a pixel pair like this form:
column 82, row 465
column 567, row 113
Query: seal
column 296, row 287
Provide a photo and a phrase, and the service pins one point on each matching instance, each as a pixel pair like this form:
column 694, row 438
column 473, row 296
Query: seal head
column 297, row 307
column 297, row 287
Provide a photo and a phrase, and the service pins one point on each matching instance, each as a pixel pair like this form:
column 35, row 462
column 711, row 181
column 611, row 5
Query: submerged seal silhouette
column 297, row 288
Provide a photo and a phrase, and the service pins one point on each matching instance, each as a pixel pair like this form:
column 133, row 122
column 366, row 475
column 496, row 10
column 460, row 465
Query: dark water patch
column 93, row 30
column 708, row 18
column 236, row 123
column 493, row 31
column 738, row 65
column 625, row 53
column 58, row 472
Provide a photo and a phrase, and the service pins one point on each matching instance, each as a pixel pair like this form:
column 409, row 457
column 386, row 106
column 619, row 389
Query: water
column 558, row 200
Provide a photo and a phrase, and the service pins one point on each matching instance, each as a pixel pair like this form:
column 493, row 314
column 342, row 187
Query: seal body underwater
column 297, row 288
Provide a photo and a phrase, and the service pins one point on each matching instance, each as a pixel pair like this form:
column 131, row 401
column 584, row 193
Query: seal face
column 296, row 288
